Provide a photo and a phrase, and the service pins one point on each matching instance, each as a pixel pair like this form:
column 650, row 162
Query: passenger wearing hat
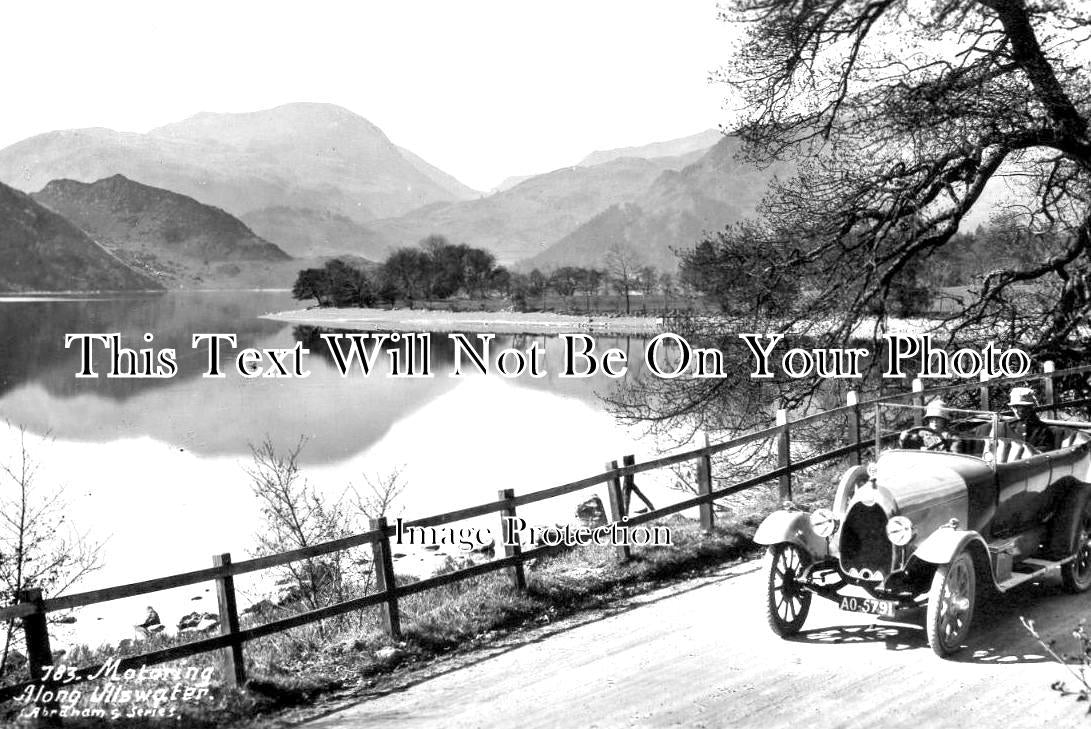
column 1028, row 427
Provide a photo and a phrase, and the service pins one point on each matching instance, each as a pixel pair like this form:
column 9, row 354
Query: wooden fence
column 32, row 607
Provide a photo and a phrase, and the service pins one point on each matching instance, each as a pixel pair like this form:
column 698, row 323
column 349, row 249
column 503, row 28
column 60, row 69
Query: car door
column 1066, row 464
column 1022, row 488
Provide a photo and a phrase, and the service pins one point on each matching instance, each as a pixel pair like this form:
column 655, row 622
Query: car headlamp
column 824, row 523
column 899, row 530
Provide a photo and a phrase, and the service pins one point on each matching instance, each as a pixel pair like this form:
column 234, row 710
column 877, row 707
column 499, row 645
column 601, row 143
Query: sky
column 482, row 89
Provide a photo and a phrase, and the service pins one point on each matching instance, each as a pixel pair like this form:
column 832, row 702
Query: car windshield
column 935, row 427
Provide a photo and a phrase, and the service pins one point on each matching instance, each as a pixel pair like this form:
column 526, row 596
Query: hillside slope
column 41, row 251
column 673, row 213
column 170, row 236
column 531, row 216
column 304, row 232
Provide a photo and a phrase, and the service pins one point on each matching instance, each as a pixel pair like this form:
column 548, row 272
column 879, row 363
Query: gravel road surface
column 699, row 654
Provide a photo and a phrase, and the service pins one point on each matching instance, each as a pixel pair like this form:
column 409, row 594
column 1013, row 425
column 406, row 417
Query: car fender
column 794, row 527
column 943, row 545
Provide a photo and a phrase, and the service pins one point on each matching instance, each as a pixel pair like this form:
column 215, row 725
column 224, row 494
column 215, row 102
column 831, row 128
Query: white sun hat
column 1022, row 396
column 937, row 409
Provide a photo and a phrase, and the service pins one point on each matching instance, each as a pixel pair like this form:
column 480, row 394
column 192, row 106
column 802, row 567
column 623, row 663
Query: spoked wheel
column 951, row 605
column 786, row 600
column 1076, row 575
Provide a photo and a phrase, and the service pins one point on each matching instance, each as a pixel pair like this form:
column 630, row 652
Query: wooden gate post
column 853, row 401
column 617, row 508
column 704, row 488
column 1047, row 370
column 384, row 578
column 512, row 547
column 784, row 455
column 234, row 665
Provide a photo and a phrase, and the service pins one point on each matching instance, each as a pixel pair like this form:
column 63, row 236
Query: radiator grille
column 866, row 553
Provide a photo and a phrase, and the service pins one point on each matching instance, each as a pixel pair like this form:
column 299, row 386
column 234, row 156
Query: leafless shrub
column 39, row 546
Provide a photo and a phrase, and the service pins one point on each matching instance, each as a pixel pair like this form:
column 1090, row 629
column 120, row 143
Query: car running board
column 1032, row 569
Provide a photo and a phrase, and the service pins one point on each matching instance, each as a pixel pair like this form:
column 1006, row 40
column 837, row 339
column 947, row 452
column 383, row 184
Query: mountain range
column 298, row 155
column 316, row 180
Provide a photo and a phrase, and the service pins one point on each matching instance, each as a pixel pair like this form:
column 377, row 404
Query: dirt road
column 700, row 655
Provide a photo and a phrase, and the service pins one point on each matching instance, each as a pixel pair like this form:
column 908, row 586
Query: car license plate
column 868, row 605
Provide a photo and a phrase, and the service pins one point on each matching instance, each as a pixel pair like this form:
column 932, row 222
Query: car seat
column 1009, row 450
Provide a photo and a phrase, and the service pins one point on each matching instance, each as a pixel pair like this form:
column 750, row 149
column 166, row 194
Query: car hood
column 928, row 488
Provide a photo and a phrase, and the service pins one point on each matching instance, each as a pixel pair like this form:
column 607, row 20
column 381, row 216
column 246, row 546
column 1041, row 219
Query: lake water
column 155, row 468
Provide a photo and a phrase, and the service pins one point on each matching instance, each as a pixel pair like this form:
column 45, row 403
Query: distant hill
column 700, row 142
column 41, row 251
column 458, row 190
column 671, row 213
column 509, row 182
column 307, row 232
column 316, row 156
column 531, row 216
column 686, row 149
column 168, row 235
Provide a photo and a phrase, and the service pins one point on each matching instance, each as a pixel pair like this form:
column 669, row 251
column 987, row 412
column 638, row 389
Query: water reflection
column 32, row 333
column 340, row 415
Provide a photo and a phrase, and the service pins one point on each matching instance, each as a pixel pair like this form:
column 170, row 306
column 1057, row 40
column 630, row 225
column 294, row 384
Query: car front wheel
column 951, row 605
column 787, row 601
column 1076, row 575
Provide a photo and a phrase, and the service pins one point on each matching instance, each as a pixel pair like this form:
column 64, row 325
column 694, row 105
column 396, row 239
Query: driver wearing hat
column 1028, row 427
column 936, row 434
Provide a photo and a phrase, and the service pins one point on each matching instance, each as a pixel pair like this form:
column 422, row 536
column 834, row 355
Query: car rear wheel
column 951, row 605
column 1076, row 575
column 786, row 601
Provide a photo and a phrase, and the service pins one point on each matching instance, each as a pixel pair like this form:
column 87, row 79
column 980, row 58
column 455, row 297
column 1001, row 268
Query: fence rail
column 32, row 608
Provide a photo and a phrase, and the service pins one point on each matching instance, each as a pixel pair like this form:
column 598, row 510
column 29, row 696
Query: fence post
column 853, row 401
column 917, row 400
column 629, row 488
column 39, row 654
column 878, row 431
column 784, row 455
column 704, row 488
column 512, row 547
column 384, row 578
column 1047, row 370
column 628, row 484
column 234, row 665
column 617, row 507
column 983, row 392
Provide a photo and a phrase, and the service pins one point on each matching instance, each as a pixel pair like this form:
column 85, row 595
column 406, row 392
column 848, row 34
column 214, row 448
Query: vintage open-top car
column 936, row 521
